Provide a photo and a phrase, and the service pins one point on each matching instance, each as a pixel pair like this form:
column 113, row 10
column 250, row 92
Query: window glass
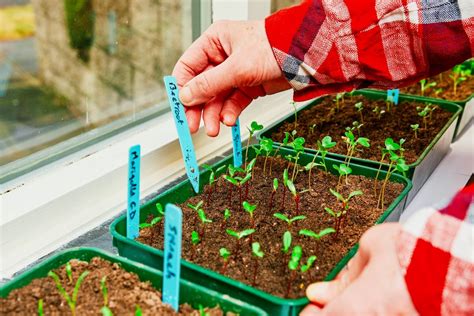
column 71, row 66
column 280, row 4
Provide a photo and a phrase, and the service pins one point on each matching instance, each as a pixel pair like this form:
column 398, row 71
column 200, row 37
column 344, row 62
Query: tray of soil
column 88, row 281
column 456, row 85
column 265, row 232
column 426, row 125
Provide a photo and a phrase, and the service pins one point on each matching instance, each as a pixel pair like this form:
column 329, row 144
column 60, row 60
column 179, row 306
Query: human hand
column 373, row 284
column 231, row 64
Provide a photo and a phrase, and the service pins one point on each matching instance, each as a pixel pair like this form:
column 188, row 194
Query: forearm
column 325, row 46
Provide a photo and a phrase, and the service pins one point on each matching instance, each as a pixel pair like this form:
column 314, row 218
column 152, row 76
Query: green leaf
column 60, row 288
column 282, row 217
column 285, row 176
column 159, row 209
column 415, row 126
column 106, row 311
column 250, row 208
column 311, row 165
column 337, row 195
column 363, row 141
column 40, row 307
column 330, row 212
column 226, row 214
column 308, row 233
column 79, row 281
column 144, row 225
column 354, row 193
column 103, row 288
column 326, row 231
column 202, row 217
column 286, row 241
column 291, row 187
column 232, row 233
column 138, row 310
column 251, row 164
column 390, row 144
column 286, row 139
column 206, row 166
column 254, row 126
column 69, row 271
column 298, row 144
column 402, row 166
column 256, row 251
column 231, row 180
column 245, row 233
column 224, row 253
column 297, row 218
column 156, row 220
column 295, row 258
column 211, row 178
column 245, row 179
column 266, row 144
column 275, row 184
column 308, row 264
column 343, row 169
column 218, row 170
column 327, row 142
column 195, row 239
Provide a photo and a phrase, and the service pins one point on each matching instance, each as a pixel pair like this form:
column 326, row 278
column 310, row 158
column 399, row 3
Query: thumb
column 209, row 83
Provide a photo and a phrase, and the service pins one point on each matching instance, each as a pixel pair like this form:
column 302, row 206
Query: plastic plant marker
column 184, row 135
column 133, row 204
column 172, row 254
column 237, row 142
column 392, row 95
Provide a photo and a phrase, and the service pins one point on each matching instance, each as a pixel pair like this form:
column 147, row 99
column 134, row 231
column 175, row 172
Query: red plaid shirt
column 327, row 46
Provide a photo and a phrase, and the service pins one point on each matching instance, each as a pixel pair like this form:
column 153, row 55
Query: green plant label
column 237, row 142
column 184, row 135
column 172, row 245
column 133, row 201
column 392, row 95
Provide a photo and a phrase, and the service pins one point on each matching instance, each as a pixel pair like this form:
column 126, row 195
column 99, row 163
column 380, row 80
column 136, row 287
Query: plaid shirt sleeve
column 327, row 46
column 436, row 253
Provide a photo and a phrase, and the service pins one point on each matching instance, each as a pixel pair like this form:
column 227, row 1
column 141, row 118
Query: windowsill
column 67, row 198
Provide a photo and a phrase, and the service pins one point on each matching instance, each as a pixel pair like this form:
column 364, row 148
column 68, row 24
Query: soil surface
column 272, row 274
column 125, row 291
column 463, row 91
column 394, row 124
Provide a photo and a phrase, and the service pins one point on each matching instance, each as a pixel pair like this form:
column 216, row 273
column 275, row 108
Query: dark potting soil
column 272, row 272
column 394, row 124
column 463, row 91
column 125, row 291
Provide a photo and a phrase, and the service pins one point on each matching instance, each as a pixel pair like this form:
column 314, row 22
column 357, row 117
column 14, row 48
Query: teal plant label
column 392, row 95
column 184, row 135
column 172, row 265
column 133, row 201
column 237, row 142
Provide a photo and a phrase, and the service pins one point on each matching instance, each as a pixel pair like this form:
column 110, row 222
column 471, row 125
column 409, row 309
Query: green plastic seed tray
column 190, row 293
column 420, row 170
column 272, row 304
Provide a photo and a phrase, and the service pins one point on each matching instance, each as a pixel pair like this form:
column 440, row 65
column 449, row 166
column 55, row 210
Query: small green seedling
column 71, row 300
column 204, row 220
column 458, row 76
column 423, row 112
column 296, row 195
column 212, row 180
column 352, row 142
column 360, row 106
column 415, row 128
column 312, row 127
column 69, row 272
column 257, row 254
column 225, row 255
column 227, row 215
column 298, row 146
column 197, row 206
column 284, row 142
column 397, row 163
column 266, row 146
column 239, row 182
column 338, row 219
column 391, row 146
column 195, row 240
column 339, row 99
column 238, row 236
column 254, row 127
column 40, row 307
column 272, row 195
column 202, row 311
column 323, row 148
column 379, row 112
column 288, row 220
column 105, row 292
column 345, row 201
column 286, row 242
column 138, row 310
column 294, row 263
column 356, row 125
column 250, row 208
column 425, row 86
column 343, row 170
column 158, row 218
column 285, row 185
column 317, row 236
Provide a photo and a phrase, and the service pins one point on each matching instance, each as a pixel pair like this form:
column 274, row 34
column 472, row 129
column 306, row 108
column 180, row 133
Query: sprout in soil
column 378, row 111
column 195, row 240
column 257, row 254
column 155, row 220
column 196, row 207
column 288, row 220
column 317, row 236
column 238, row 182
column 397, row 163
column 285, row 181
column 69, row 272
column 337, row 217
column 105, row 296
column 239, row 236
column 202, row 311
column 323, row 148
column 294, row 263
column 356, row 125
column 415, row 128
column 40, row 307
column 458, row 75
column 339, row 97
column 226, row 217
column 212, row 180
column 138, row 310
column 423, row 112
column 286, row 242
column 225, row 255
column 71, row 300
column 298, row 146
column 254, row 127
column 272, row 195
column 352, row 142
column 296, row 195
column 204, row 220
column 390, row 146
column 312, row 127
column 360, row 106
column 343, row 170
column 345, row 201
column 293, row 104
column 284, row 142
column 425, row 85
column 266, row 145
column 250, row 208
column 437, row 92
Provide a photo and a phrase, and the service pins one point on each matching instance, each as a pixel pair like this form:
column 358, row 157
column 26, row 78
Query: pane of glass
column 71, row 66
column 280, row 4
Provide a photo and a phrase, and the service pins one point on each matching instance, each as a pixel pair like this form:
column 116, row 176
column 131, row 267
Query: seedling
column 227, row 214
column 155, row 220
column 195, row 240
column 345, row 201
column 294, row 263
column 40, row 307
column 138, row 310
column 317, row 236
column 415, row 128
column 204, row 220
column 274, row 190
column 286, row 242
column 266, row 145
column 337, row 217
column 202, row 311
column 311, row 128
column 397, row 163
column 288, row 220
column 105, row 295
column 379, row 112
column 423, row 112
column 357, row 125
column 352, row 142
column 71, row 300
column 343, row 170
column 298, row 147
column 257, row 254
column 239, row 236
column 390, row 146
column 323, row 148
column 225, row 255
column 69, row 272
column 458, row 76
column 296, row 195
column 285, row 181
column 238, row 182
column 284, row 142
column 250, row 208
column 360, row 106
column 425, row 86
column 339, row 97
column 437, row 92
column 254, row 127
column 196, row 208
column 212, row 180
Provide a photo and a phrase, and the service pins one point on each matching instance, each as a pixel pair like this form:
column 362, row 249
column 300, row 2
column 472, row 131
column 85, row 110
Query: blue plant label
column 184, row 135
column 172, row 263
column 392, row 95
column 5, row 74
column 237, row 141
column 133, row 201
